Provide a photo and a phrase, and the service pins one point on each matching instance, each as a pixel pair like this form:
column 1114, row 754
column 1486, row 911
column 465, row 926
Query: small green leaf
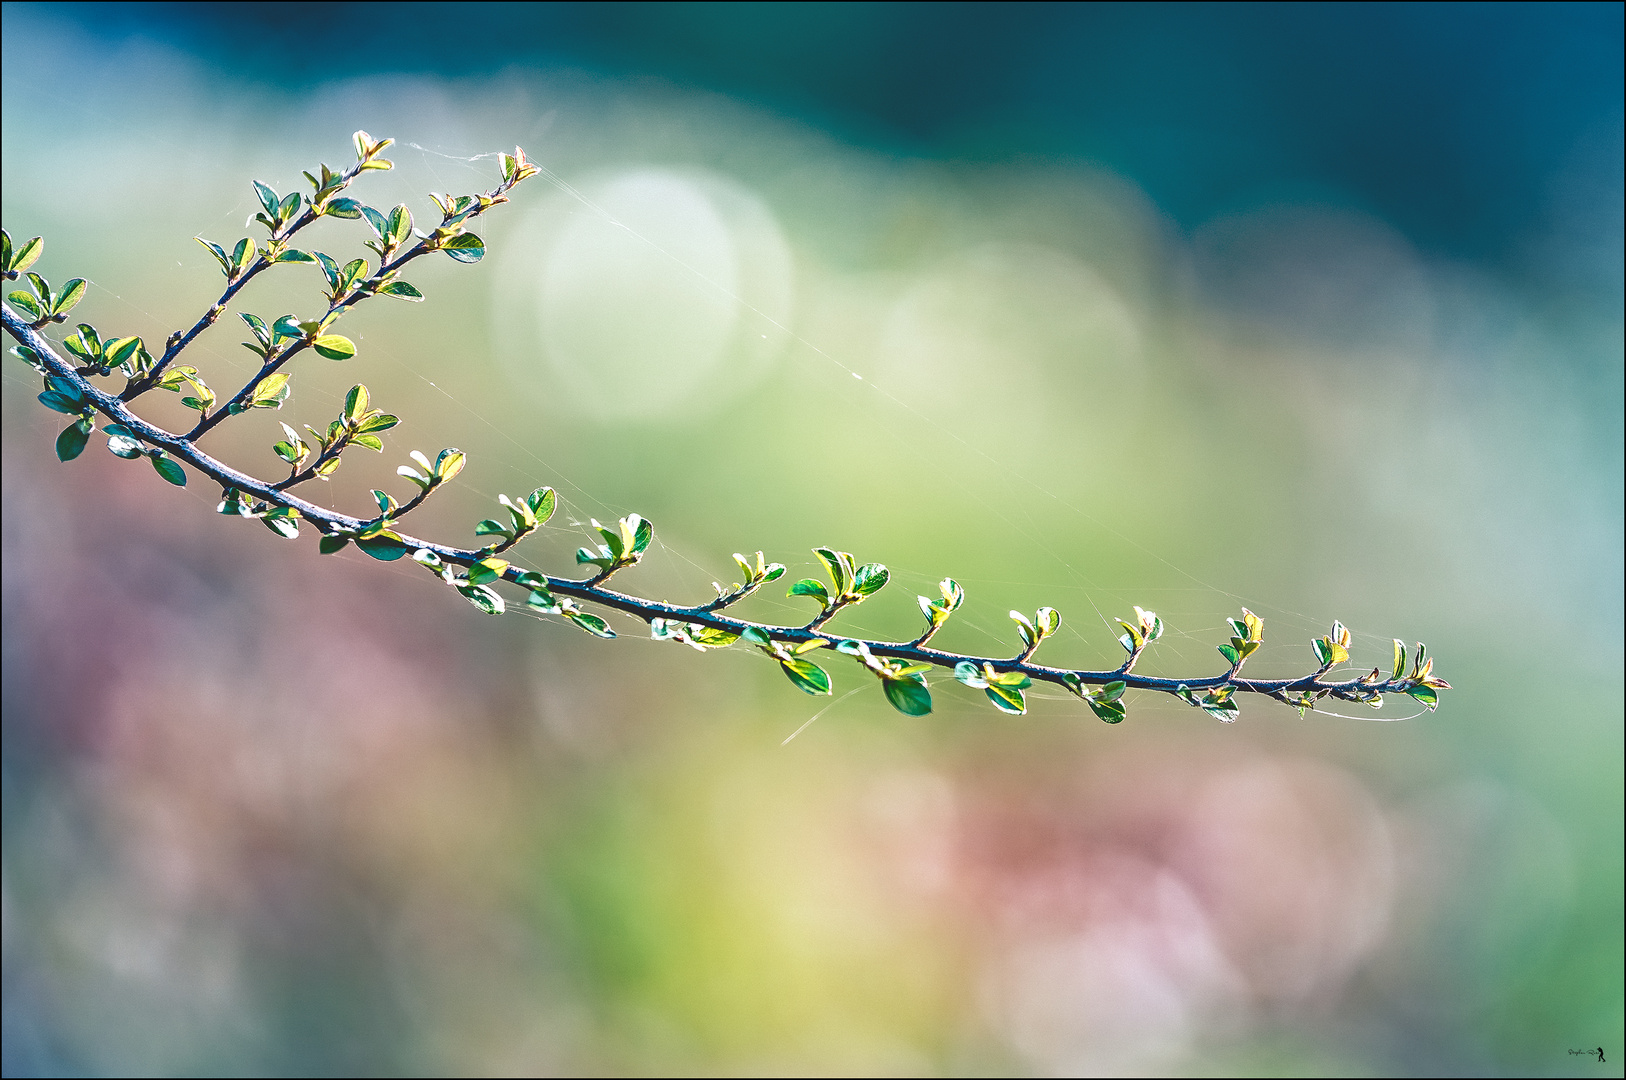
column 839, row 565
column 1007, row 698
column 62, row 403
column 908, row 696
column 72, row 293
column 1323, row 652
column 25, row 256
column 643, row 533
column 1426, row 695
column 756, row 636
column 343, row 208
column 711, row 637
column 169, row 470
column 1400, row 660
column 486, row 570
column 355, row 403
column 121, row 443
column 385, row 546
column 1110, row 711
column 331, row 543
column 1229, row 652
column 268, row 199
column 813, row 588
column 71, row 443
column 1046, row 621
column 126, row 352
column 1030, row 636
column 541, row 501
column 617, row 540
column 449, row 464
column 401, row 290
column 269, row 392
column 334, row 346
column 283, row 522
column 294, row 255
column 870, row 578
column 399, row 228
column 591, row 623
column 465, row 248
column 483, row 597
column 354, row 271
column 970, row 674
column 807, row 676
column 86, row 345
column 489, row 527
column 27, row 303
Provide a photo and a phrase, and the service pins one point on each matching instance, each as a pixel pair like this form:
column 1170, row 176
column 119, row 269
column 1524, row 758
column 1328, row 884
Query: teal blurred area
column 1313, row 309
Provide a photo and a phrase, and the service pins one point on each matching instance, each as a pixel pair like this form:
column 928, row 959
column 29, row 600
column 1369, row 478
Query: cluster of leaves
column 541, row 599
column 696, row 636
column 623, row 545
column 903, row 682
column 428, row 476
column 128, row 355
column 357, row 425
column 850, row 584
column 937, row 611
column 901, row 668
column 42, row 305
column 803, row 673
column 756, row 575
column 64, row 395
column 1421, row 684
column 1004, row 688
column 1247, row 634
column 282, row 520
column 527, row 515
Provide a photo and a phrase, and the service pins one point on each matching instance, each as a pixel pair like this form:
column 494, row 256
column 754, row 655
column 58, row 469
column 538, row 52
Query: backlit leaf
column 807, row 676
column 334, row 346
column 908, row 696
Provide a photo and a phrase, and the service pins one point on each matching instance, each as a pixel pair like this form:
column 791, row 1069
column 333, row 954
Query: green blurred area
column 265, row 812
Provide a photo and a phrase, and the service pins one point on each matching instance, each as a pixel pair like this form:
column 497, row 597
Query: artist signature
column 1597, row 1053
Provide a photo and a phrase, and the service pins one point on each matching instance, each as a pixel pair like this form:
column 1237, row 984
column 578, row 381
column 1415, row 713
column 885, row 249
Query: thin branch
column 177, row 343
column 592, row 590
column 339, row 305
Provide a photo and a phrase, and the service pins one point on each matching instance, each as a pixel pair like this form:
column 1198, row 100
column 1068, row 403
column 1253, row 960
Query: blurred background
column 1316, row 309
